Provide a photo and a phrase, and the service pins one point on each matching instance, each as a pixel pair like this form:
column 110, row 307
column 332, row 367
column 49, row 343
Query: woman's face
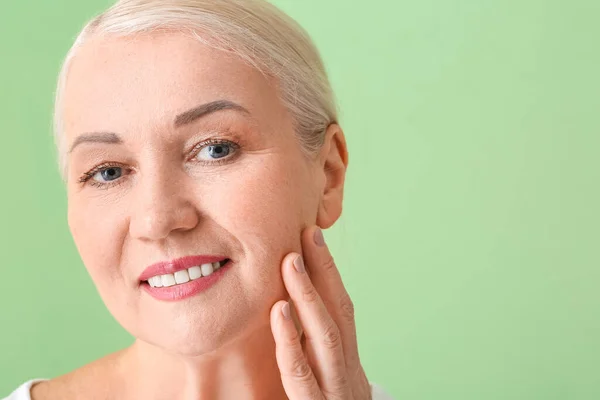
column 162, row 192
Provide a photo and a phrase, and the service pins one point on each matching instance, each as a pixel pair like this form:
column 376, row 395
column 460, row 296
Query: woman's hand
column 322, row 363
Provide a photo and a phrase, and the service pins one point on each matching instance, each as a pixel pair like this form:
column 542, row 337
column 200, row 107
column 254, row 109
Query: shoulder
column 94, row 381
column 23, row 391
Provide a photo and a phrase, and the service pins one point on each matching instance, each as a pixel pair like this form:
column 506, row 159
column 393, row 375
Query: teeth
column 207, row 269
column 182, row 277
column 168, row 280
column 155, row 281
column 195, row 272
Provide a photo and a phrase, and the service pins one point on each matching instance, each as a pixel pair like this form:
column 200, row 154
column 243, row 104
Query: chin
column 205, row 323
column 199, row 334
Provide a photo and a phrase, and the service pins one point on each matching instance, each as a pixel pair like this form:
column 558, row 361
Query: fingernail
column 299, row 264
column 319, row 239
column 285, row 310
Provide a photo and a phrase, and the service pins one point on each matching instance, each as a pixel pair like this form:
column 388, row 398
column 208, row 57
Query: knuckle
column 291, row 340
column 340, row 382
column 347, row 307
column 336, row 385
column 332, row 337
column 329, row 264
column 300, row 371
column 309, row 294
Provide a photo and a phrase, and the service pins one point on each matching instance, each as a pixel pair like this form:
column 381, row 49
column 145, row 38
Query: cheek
column 271, row 200
column 95, row 225
column 97, row 228
column 264, row 209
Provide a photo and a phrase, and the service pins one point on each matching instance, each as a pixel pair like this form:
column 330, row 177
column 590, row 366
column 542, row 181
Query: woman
column 199, row 145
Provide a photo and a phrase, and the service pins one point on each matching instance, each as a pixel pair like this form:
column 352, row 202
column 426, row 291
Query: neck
column 245, row 369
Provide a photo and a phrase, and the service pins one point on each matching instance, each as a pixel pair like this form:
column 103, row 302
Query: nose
column 161, row 205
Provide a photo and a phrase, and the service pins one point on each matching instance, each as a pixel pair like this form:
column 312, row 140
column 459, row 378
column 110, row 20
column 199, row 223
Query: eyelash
column 196, row 149
column 87, row 176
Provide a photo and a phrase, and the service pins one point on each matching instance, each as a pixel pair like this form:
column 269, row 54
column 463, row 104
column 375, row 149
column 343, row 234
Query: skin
column 261, row 206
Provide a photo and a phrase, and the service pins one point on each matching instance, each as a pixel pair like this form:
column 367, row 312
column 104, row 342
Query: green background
column 469, row 240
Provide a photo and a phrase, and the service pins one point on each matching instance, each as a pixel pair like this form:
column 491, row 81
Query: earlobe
column 334, row 162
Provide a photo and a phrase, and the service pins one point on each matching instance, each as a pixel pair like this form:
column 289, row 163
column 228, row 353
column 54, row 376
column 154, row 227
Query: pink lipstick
column 183, row 277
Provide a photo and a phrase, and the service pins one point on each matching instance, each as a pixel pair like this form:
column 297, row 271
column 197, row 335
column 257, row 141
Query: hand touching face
column 323, row 363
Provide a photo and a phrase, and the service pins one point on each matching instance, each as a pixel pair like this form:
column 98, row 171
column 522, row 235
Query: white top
column 23, row 392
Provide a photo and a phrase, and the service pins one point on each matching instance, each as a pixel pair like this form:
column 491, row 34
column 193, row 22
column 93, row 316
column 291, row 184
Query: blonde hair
column 254, row 30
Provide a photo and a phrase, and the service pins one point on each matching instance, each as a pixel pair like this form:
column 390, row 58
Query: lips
column 170, row 267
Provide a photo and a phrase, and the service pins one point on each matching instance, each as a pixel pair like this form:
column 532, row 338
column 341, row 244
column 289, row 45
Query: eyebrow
column 96, row 137
column 205, row 109
column 184, row 118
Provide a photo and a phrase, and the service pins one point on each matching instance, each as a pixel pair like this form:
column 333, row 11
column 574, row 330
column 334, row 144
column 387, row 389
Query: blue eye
column 108, row 174
column 215, row 151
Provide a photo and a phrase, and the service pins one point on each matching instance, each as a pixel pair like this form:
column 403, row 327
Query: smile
column 186, row 275
column 185, row 283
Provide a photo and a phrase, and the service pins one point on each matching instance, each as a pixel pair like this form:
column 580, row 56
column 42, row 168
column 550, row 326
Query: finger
column 297, row 377
column 320, row 329
column 328, row 281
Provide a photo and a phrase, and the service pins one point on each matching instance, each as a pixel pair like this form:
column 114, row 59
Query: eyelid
column 94, row 170
column 87, row 177
column 199, row 146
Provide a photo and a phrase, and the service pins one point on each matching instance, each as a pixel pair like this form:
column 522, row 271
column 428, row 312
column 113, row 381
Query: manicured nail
column 299, row 265
column 285, row 310
column 319, row 239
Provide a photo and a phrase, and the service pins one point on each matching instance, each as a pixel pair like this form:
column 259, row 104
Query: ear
column 333, row 159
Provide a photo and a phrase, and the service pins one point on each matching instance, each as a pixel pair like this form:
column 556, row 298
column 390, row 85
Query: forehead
column 128, row 82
